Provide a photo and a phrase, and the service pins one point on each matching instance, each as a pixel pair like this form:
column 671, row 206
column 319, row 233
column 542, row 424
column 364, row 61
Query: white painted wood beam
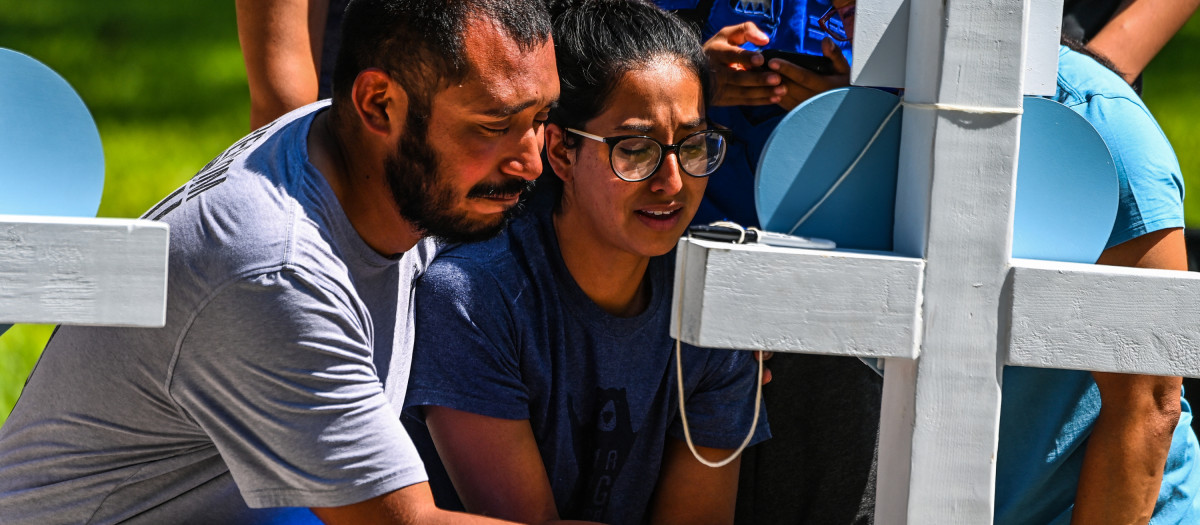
column 1103, row 318
column 755, row 297
column 881, row 41
column 960, row 169
column 60, row 270
column 1043, row 27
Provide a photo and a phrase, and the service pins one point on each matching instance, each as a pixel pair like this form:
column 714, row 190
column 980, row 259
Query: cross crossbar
column 83, row 271
column 1103, row 318
column 788, row 300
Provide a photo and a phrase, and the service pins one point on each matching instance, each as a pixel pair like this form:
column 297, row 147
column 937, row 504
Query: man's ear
column 561, row 158
column 381, row 103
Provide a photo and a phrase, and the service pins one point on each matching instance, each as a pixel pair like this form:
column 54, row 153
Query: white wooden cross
column 950, row 307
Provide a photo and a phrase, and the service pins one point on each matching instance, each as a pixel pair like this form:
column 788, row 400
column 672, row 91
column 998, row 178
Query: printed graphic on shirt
column 602, row 444
column 210, row 176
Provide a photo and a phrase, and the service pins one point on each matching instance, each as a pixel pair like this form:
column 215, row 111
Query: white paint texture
column 1104, row 318
column 881, row 46
column 793, row 300
column 1044, row 26
column 880, row 40
column 971, row 55
column 58, row 270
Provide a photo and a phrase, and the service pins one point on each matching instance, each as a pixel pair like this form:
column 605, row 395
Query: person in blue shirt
column 543, row 364
column 1092, row 447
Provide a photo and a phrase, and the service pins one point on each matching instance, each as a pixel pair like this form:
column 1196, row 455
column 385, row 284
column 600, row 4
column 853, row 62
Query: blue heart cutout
column 51, row 158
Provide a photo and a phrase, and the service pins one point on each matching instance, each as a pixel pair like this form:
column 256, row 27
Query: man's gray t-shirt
column 276, row 381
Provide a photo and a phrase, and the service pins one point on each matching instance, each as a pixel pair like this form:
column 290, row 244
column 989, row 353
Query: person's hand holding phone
column 802, row 84
column 739, row 76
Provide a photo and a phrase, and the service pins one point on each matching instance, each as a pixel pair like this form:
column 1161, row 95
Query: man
column 276, row 383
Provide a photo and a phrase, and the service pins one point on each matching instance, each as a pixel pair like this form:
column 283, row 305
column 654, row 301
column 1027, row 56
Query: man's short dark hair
column 419, row 43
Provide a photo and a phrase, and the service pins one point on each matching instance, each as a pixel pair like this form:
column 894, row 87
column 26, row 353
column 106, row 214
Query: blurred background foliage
column 167, row 87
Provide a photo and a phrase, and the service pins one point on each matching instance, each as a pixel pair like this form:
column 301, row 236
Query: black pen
column 735, row 235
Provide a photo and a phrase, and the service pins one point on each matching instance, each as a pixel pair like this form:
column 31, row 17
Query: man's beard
column 426, row 198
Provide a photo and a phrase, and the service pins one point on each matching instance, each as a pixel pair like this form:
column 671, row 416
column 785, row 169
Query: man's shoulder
column 258, row 207
column 265, row 154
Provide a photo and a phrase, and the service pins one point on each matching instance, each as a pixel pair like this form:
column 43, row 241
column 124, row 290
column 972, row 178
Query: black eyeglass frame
column 726, row 134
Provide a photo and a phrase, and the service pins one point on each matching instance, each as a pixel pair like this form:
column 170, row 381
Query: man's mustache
column 509, row 187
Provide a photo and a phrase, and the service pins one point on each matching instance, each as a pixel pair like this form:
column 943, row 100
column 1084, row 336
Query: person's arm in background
column 803, row 84
column 281, row 45
column 1127, row 450
column 739, row 79
column 689, row 492
column 1139, row 31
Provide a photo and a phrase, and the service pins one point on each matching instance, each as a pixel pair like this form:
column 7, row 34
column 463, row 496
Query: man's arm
column 690, row 492
column 1139, row 31
column 410, row 505
column 494, row 464
column 281, row 46
column 1127, row 450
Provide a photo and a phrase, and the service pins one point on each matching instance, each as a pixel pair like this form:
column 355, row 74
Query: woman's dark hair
column 596, row 42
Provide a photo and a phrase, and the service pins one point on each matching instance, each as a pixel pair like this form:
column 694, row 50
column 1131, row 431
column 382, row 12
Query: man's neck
column 615, row 281
column 358, row 180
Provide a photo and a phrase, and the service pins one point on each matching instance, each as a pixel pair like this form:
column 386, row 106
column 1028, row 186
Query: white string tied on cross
column 957, row 108
column 687, row 433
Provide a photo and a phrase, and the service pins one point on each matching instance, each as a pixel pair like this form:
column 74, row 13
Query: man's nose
column 526, row 162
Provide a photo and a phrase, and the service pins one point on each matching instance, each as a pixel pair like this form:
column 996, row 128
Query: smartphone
column 819, row 64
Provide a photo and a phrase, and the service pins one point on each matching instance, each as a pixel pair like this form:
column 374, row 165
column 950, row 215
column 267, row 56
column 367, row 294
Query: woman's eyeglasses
column 836, row 30
column 637, row 157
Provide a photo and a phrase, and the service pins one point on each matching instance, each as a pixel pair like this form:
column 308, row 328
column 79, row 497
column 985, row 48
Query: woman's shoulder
column 498, row 264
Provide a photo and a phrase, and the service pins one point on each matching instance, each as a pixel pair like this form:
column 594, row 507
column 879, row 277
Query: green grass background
column 166, row 85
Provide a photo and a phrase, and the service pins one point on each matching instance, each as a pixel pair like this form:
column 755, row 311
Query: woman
column 543, row 364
